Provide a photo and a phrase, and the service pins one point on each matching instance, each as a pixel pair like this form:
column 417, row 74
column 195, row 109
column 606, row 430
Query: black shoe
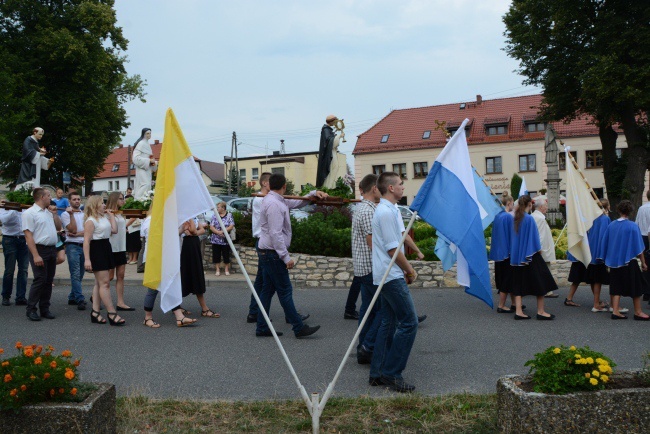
column 22, row 302
column 517, row 317
column 6, row 302
column 504, row 310
column 302, row 317
column 364, row 357
column 351, row 315
column 421, row 318
column 307, row 331
column 640, row 318
column 251, row 318
column 127, row 309
column 33, row 316
column 267, row 333
column 72, row 302
column 375, row 381
column 397, row 384
column 81, row 305
column 48, row 315
column 545, row 318
column 618, row 317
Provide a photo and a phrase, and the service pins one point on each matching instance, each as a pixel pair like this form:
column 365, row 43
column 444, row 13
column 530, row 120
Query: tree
column 62, row 69
column 592, row 58
column 515, row 185
column 233, row 182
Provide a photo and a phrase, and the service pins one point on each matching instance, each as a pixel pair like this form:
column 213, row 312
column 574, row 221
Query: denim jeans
column 276, row 279
column 75, row 254
column 396, row 334
column 16, row 252
column 257, row 286
column 369, row 331
column 353, row 295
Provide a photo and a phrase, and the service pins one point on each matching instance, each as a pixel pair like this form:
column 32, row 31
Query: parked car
column 216, row 199
column 242, row 204
column 407, row 213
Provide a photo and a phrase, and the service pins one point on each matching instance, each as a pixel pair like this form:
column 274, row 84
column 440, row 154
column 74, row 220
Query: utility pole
column 233, row 154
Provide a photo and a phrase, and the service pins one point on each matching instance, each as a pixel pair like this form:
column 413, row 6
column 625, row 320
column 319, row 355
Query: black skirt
column 503, row 275
column 101, row 255
column 119, row 258
column 532, row 279
column 627, row 281
column 192, row 277
column 133, row 243
column 594, row 273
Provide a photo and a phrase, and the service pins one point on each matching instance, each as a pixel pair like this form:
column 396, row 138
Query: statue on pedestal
column 33, row 161
column 328, row 162
column 145, row 165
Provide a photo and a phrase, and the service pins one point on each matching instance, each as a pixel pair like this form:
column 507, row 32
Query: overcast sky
column 273, row 70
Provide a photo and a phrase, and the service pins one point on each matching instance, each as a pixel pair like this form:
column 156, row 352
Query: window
column 533, row 127
column 256, row 173
column 115, row 168
column 594, row 159
column 493, row 165
column 527, row 163
column 600, row 193
column 117, row 185
column 279, row 170
column 496, row 130
column 384, row 138
column 242, row 174
column 426, row 134
column 562, row 158
column 420, row 170
column 378, row 170
column 452, row 130
column 400, row 169
column 110, row 185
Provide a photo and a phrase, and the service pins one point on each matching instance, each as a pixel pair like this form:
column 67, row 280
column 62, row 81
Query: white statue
column 144, row 164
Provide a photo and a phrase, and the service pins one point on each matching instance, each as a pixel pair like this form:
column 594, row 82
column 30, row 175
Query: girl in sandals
column 192, row 276
column 220, row 246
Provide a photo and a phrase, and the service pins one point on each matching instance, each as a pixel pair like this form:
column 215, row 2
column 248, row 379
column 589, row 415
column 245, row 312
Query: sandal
column 149, row 322
column 113, row 321
column 209, row 314
column 95, row 318
column 185, row 312
column 572, row 303
column 185, row 322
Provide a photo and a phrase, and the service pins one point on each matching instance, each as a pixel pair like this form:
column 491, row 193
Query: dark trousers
column 353, row 295
column 219, row 250
column 257, row 286
column 41, row 289
column 150, row 299
column 16, row 252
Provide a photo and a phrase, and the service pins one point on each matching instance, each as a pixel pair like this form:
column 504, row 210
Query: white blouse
column 102, row 228
column 118, row 240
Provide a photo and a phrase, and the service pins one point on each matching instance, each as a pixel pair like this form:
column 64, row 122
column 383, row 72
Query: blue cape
column 622, row 243
column 595, row 237
column 501, row 236
column 525, row 243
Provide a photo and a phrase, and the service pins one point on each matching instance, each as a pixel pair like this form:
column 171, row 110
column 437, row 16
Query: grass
column 409, row 414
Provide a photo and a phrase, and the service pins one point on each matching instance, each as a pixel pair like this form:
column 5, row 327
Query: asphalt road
column 462, row 346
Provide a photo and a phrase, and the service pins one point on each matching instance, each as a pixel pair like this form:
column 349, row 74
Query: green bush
column 244, row 229
column 427, row 247
column 23, row 196
column 318, row 236
column 422, row 230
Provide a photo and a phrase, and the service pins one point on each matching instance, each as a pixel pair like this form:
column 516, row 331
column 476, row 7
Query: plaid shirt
column 362, row 226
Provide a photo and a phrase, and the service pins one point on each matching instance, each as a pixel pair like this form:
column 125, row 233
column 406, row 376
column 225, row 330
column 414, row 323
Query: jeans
column 276, row 279
column 150, row 299
column 75, row 254
column 41, row 290
column 15, row 251
column 396, row 334
column 368, row 333
column 257, row 286
column 353, row 295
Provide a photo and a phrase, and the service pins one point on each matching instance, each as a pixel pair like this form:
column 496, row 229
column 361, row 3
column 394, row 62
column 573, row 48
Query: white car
column 407, row 213
column 242, row 204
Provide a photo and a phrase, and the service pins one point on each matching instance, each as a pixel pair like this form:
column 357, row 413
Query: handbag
column 233, row 234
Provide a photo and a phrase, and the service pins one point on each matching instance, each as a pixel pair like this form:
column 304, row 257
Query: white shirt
column 40, row 222
column 386, row 236
column 257, row 210
column 135, row 226
column 11, row 223
column 545, row 237
column 642, row 219
column 118, row 240
column 144, row 232
column 79, row 219
column 102, row 228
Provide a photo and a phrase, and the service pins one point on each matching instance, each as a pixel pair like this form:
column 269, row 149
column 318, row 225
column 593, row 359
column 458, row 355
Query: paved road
column 462, row 346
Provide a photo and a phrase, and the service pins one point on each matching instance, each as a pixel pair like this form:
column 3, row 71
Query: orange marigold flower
column 50, row 348
column 32, row 377
column 69, row 375
column 23, row 387
column 53, row 364
column 38, row 361
column 28, row 352
column 66, row 353
column 46, row 375
column 7, row 378
column 5, row 363
column 1, row 351
column 52, row 392
column 19, row 345
column 47, row 354
column 61, row 390
column 39, row 349
column 76, row 362
column 13, row 392
column 73, row 391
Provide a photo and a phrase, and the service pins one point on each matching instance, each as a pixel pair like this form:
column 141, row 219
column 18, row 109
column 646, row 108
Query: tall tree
column 592, row 58
column 62, row 69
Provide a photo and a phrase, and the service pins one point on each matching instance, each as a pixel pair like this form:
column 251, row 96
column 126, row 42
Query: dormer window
column 384, row 138
column 426, row 135
column 115, row 168
column 497, row 126
column 452, row 130
column 533, row 127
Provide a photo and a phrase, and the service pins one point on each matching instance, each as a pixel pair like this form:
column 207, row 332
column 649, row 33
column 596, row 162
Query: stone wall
column 329, row 272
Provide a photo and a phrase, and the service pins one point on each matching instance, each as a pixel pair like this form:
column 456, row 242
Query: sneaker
column 621, row 310
column 307, row 331
column 595, row 309
column 397, row 384
column 364, row 357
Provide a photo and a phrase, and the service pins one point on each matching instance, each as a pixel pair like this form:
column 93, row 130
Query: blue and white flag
column 523, row 190
column 445, row 250
column 448, row 201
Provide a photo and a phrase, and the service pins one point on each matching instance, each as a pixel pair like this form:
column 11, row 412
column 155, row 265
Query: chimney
column 479, row 100
column 156, row 142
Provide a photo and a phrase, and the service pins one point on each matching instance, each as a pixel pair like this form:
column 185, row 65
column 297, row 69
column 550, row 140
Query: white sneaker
column 621, row 310
column 595, row 309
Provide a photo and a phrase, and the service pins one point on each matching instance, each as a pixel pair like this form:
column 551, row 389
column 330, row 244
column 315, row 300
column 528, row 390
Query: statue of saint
column 327, row 159
column 145, row 165
column 33, row 161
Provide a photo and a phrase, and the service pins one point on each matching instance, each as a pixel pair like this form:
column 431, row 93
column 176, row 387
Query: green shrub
column 422, row 230
column 244, row 229
column 23, row 196
column 427, row 247
column 562, row 245
column 317, row 236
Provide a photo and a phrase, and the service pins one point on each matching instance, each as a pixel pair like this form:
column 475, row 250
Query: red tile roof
column 407, row 126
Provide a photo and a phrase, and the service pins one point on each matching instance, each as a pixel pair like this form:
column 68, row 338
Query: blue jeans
column 257, row 286
column 396, row 334
column 15, row 251
column 369, row 331
column 276, row 279
column 76, row 259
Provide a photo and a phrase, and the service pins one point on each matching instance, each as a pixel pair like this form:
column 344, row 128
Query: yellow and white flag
column 581, row 211
column 180, row 195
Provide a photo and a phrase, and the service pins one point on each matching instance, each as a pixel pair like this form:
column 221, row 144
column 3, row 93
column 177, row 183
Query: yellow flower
column 603, row 368
column 604, row 378
column 73, row 391
column 587, row 375
column 600, row 361
column 595, row 373
column 572, row 347
column 590, row 360
column 577, row 356
column 594, row 381
column 38, row 361
column 557, row 350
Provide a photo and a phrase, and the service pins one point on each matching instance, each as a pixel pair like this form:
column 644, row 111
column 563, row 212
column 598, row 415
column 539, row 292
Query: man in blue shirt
column 61, row 202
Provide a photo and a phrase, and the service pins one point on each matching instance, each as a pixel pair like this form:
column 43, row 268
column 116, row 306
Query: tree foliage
column 62, row 69
column 515, row 185
column 592, row 58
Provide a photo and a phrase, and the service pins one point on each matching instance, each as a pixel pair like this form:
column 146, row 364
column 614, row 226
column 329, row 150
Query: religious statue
column 328, row 162
column 33, row 160
column 144, row 164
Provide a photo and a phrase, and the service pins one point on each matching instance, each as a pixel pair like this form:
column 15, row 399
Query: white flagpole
column 560, row 236
column 303, row 392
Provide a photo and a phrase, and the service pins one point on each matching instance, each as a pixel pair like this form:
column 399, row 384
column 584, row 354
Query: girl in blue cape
column 595, row 273
column 621, row 244
column 500, row 253
column 530, row 274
